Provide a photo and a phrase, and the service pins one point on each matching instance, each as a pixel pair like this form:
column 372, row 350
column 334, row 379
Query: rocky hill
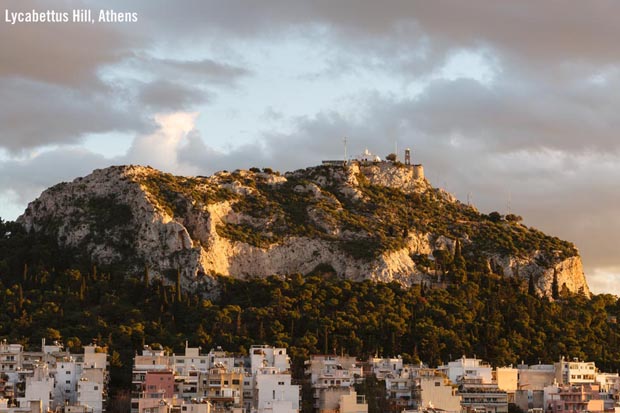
column 378, row 221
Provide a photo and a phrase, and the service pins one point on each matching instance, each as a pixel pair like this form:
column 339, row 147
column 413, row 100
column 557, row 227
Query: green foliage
column 311, row 203
column 176, row 194
column 47, row 291
column 491, row 316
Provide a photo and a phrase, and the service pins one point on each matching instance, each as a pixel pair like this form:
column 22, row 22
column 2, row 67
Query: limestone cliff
column 377, row 221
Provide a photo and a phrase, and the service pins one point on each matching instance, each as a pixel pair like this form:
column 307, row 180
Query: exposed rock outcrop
column 365, row 221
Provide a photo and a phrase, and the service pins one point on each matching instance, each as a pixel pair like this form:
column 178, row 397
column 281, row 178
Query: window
column 437, row 384
column 68, row 372
column 96, row 387
column 280, row 383
column 235, row 381
column 68, row 381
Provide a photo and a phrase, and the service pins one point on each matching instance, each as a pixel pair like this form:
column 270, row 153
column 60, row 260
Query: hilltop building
column 367, row 158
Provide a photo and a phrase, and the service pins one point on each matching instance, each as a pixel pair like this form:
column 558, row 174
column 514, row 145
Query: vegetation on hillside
column 379, row 221
column 45, row 292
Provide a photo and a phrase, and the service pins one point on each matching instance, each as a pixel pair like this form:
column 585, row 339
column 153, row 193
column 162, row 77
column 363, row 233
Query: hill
column 378, row 221
column 101, row 258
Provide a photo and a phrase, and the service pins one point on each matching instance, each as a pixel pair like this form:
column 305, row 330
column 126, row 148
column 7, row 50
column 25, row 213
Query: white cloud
column 605, row 280
column 160, row 149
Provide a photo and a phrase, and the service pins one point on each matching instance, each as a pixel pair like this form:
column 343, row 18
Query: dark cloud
column 204, row 71
column 163, row 95
column 35, row 114
column 64, row 54
column 518, row 114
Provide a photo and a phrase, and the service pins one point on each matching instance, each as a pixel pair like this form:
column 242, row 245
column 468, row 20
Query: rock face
column 378, row 221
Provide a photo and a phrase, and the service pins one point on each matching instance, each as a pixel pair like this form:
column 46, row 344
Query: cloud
column 25, row 179
column 163, row 96
column 35, row 114
column 62, row 54
column 562, row 190
column 195, row 71
column 160, row 148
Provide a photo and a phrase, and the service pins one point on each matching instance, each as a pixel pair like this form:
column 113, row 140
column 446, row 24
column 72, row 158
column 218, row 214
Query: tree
column 531, row 289
column 147, row 279
column 514, row 218
column 495, row 216
column 458, row 264
column 555, row 289
column 178, row 286
column 391, row 157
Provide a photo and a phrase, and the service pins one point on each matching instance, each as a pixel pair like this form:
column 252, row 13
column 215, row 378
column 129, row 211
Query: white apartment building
column 51, row 377
column 575, row 372
column 266, row 356
column 464, row 367
column 382, row 367
column 437, row 391
column 39, row 387
column 331, row 378
column 272, row 387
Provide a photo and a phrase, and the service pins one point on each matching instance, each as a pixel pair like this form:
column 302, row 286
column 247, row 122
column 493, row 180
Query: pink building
column 159, row 382
column 576, row 398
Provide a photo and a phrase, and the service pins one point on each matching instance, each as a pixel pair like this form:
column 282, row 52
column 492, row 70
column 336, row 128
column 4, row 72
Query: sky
column 512, row 105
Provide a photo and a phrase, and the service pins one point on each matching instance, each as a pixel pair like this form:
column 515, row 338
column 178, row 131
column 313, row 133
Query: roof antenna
column 396, row 149
column 508, row 202
column 345, row 149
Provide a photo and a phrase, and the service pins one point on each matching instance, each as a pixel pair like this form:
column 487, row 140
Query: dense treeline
column 53, row 293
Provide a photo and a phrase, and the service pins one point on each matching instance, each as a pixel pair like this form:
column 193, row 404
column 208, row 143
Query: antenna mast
column 345, row 149
column 508, row 202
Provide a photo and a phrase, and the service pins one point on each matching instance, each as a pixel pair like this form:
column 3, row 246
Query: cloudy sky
column 514, row 103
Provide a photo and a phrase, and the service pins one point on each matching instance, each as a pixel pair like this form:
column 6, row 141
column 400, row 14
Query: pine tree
column 178, row 286
column 531, row 289
column 82, row 289
column 147, row 277
column 555, row 289
column 20, row 296
column 458, row 264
